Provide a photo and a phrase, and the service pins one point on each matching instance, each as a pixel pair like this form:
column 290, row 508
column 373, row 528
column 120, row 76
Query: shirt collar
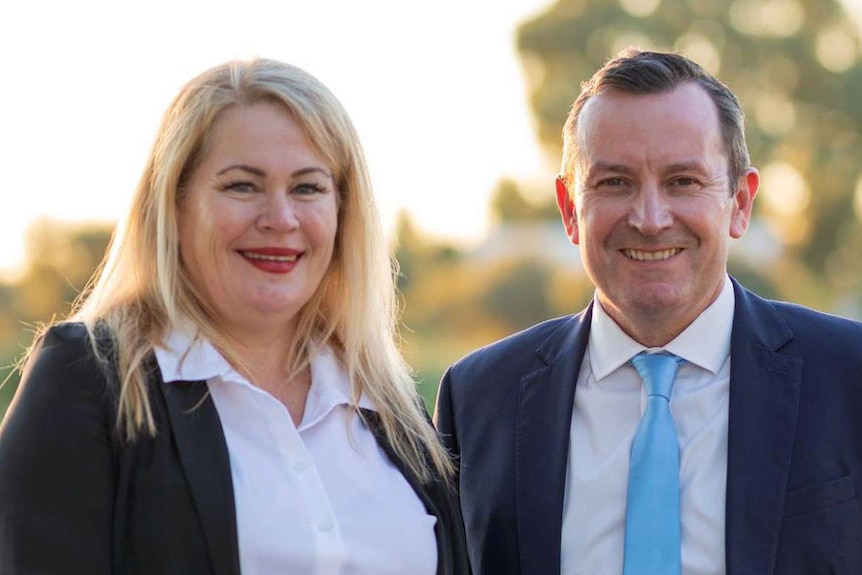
column 329, row 382
column 187, row 356
column 705, row 342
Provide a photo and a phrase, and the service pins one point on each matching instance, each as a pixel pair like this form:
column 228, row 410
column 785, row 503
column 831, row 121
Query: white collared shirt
column 316, row 498
column 609, row 402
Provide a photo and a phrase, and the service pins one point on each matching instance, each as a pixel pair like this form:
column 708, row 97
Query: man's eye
column 685, row 182
column 612, row 183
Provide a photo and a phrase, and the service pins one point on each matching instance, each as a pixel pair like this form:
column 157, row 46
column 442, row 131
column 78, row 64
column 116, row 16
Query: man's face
column 654, row 210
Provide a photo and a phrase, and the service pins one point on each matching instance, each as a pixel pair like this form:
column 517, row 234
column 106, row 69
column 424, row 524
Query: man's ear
column 743, row 202
column 566, row 204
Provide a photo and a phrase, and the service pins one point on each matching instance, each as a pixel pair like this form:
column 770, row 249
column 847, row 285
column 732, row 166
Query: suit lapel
column 764, row 399
column 545, row 402
column 200, row 442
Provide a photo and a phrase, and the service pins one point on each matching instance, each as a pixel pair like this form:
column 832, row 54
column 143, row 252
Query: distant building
column 545, row 242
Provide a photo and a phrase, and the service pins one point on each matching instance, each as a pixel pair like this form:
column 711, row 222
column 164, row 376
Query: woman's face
column 259, row 218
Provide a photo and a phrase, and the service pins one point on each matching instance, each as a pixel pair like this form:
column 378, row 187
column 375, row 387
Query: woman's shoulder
column 64, row 354
column 65, row 394
column 66, row 334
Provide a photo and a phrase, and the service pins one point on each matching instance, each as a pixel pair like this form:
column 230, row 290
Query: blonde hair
column 141, row 289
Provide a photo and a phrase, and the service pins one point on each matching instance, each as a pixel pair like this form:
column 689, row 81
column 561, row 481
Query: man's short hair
column 636, row 72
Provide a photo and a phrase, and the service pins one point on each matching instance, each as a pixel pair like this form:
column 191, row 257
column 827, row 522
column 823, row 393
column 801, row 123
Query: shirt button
column 325, row 526
column 300, row 466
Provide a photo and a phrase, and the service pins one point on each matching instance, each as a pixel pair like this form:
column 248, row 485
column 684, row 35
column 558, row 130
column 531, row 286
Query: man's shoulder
column 809, row 326
column 795, row 311
column 802, row 319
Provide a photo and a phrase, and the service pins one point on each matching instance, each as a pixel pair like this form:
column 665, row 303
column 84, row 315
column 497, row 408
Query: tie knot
column 658, row 371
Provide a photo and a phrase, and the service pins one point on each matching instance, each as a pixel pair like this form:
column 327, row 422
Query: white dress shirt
column 320, row 498
column 609, row 402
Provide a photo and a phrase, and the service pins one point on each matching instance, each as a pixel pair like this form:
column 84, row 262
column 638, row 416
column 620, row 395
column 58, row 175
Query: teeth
column 643, row 256
column 254, row 256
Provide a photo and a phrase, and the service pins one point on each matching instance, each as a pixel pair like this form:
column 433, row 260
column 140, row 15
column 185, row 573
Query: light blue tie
column 652, row 540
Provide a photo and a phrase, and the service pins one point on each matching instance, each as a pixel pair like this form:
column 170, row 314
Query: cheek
column 716, row 225
column 188, row 226
column 201, row 235
column 322, row 225
column 595, row 221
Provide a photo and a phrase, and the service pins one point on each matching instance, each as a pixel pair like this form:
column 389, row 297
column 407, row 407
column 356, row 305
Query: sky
column 435, row 89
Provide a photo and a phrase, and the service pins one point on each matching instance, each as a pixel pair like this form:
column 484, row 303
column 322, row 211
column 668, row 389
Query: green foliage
column 9, row 378
column 795, row 66
column 60, row 260
column 517, row 296
column 510, row 202
column 457, row 301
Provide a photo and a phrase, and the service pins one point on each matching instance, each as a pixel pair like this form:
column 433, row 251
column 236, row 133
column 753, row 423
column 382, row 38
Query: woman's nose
column 278, row 214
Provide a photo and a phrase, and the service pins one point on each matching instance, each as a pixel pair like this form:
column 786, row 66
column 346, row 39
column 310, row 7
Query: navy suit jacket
column 794, row 468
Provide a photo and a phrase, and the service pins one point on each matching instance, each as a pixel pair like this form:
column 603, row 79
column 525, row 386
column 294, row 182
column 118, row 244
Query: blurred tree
column 60, row 259
column 510, row 202
column 795, row 66
column 414, row 252
column 406, row 248
column 517, row 295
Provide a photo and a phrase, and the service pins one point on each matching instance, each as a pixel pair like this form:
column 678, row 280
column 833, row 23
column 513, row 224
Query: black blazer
column 74, row 500
column 794, row 468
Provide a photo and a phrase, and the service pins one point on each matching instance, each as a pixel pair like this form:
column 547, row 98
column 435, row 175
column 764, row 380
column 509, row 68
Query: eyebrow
column 601, row 167
column 691, row 166
column 244, row 168
column 687, row 166
column 261, row 173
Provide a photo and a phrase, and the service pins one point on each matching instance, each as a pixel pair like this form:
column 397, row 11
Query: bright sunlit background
column 439, row 94
column 435, row 90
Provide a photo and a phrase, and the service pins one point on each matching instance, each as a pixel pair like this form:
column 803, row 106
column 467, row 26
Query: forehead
column 265, row 135
column 679, row 122
column 260, row 124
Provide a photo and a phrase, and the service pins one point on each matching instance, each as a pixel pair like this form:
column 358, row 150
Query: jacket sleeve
column 444, row 419
column 57, row 463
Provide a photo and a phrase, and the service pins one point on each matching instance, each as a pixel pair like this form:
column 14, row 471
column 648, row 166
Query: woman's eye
column 308, row 189
column 241, row 187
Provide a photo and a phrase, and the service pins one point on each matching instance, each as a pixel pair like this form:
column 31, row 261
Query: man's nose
column 650, row 211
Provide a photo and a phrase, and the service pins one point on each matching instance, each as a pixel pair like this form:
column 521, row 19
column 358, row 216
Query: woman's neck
column 264, row 358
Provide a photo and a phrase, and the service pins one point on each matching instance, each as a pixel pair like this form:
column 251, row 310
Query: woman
column 228, row 396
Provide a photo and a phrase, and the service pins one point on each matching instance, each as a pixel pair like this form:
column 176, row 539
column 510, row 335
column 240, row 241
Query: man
column 766, row 404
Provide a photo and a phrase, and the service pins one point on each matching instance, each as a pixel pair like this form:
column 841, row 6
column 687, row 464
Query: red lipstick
column 272, row 260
